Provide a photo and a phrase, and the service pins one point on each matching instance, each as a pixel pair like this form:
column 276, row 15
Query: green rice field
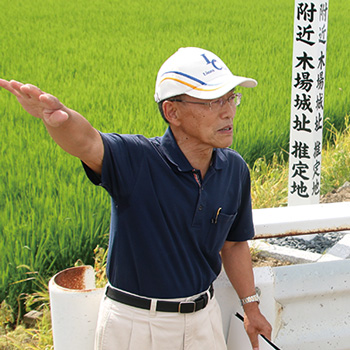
column 101, row 59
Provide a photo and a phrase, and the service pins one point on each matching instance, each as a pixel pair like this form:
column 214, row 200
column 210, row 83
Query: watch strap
column 251, row 299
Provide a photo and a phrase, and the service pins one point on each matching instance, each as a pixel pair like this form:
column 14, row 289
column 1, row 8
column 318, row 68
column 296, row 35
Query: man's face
column 209, row 125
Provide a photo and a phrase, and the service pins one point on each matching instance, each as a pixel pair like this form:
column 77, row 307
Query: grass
column 101, row 59
column 45, row 228
column 270, row 179
column 336, row 159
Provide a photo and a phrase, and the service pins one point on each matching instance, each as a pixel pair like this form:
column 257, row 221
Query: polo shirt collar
column 174, row 154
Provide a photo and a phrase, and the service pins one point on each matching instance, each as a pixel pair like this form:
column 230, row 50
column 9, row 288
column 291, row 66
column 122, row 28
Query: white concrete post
column 308, row 78
column 74, row 303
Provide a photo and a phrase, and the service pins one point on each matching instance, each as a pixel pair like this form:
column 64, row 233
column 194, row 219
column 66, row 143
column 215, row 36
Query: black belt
column 183, row 307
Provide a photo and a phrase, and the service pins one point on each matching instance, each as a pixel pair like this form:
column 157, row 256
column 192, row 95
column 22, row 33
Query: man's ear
column 170, row 111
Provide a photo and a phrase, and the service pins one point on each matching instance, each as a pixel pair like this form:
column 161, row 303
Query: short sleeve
column 123, row 156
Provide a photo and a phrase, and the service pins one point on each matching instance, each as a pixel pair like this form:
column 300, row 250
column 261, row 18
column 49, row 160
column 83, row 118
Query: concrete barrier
column 301, row 220
column 307, row 305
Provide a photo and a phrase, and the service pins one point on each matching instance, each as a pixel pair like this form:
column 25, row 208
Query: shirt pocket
column 218, row 231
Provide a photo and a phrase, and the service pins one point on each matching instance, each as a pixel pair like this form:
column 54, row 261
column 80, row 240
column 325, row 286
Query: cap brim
column 220, row 88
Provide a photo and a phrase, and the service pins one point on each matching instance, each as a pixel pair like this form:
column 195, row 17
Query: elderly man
column 181, row 207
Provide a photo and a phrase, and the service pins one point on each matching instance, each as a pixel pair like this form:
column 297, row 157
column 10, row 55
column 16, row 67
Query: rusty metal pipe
column 298, row 233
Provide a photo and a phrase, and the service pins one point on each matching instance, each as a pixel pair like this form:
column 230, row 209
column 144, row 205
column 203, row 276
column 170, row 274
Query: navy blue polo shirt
column 168, row 224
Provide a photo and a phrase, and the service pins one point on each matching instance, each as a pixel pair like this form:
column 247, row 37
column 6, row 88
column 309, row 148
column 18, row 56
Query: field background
column 101, row 58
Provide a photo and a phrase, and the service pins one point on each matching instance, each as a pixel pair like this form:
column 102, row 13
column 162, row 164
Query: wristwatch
column 250, row 299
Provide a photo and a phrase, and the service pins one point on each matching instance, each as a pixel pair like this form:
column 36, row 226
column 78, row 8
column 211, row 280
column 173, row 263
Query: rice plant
column 101, row 58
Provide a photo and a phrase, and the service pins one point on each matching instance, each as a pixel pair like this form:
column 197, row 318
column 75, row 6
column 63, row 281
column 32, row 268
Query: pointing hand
column 37, row 103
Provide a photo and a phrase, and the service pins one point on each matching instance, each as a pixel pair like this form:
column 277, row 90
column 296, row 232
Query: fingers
column 50, row 101
column 257, row 325
column 254, row 337
column 12, row 86
column 266, row 331
column 255, row 343
column 56, row 118
column 30, row 90
column 36, row 102
column 21, row 90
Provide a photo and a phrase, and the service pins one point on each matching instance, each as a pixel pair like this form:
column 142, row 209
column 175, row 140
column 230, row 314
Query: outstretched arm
column 70, row 130
column 238, row 266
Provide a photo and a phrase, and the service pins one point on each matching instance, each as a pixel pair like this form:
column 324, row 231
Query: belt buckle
column 187, row 307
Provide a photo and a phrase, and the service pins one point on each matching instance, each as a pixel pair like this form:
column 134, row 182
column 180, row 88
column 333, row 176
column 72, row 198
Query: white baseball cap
column 198, row 73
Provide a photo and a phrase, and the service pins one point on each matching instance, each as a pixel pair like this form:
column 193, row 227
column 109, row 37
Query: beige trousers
column 121, row 327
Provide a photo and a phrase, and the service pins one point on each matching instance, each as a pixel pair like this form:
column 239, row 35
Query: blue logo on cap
column 212, row 62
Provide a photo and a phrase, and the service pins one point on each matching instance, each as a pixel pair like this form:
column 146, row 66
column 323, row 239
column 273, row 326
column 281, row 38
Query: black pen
column 267, row 340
